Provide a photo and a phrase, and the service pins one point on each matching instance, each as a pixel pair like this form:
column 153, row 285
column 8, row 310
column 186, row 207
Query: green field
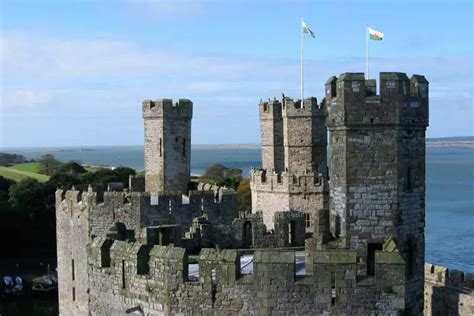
column 27, row 166
column 18, row 175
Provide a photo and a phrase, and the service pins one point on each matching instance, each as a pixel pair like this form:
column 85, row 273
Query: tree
column 48, row 165
column 222, row 176
column 123, row 173
column 244, row 196
column 63, row 180
column 26, row 196
column 72, row 168
column 5, row 185
column 233, row 178
column 99, row 179
column 7, row 159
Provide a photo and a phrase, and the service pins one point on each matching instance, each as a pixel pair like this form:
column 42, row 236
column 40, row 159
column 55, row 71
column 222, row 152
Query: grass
column 18, row 175
column 27, row 166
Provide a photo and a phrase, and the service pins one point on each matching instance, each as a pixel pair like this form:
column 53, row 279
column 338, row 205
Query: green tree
column 7, row 159
column 27, row 196
column 63, row 180
column 5, row 185
column 99, row 179
column 244, row 195
column 48, row 165
column 72, row 168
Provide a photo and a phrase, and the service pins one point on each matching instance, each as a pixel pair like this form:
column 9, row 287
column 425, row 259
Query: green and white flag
column 306, row 29
column 375, row 35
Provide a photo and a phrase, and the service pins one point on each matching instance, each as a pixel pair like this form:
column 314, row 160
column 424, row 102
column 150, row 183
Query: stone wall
column 448, row 292
column 120, row 283
column 274, row 192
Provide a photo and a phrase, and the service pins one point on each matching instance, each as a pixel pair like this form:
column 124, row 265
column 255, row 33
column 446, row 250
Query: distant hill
column 454, row 142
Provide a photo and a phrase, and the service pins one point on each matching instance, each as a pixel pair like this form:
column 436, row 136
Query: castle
column 340, row 239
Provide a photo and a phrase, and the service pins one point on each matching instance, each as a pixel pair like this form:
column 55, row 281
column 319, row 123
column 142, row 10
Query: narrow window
column 161, row 150
column 264, row 176
column 73, row 272
column 291, row 233
column 371, row 248
column 295, row 179
column 333, row 288
column 73, row 293
column 411, row 259
column 123, row 274
column 308, row 220
column 184, row 147
column 279, row 178
column 247, row 235
column 213, row 275
column 338, row 225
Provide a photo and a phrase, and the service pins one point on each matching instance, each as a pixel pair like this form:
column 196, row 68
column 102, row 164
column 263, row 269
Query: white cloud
column 74, row 79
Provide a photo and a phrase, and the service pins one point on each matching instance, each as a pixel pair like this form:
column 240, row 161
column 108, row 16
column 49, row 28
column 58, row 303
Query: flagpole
column 367, row 51
column 302, row 69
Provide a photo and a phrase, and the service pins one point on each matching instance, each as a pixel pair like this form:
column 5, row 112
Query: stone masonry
column 294, row 168
column 166, row 247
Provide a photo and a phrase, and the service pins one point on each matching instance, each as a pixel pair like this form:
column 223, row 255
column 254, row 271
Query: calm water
column 449, row 199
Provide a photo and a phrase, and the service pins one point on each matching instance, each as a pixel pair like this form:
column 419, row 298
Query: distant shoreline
column 445, row 142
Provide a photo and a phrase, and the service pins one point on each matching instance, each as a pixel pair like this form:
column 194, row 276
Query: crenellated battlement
column 262, row 179
column 222, row 280
column 270, row 109
column 351, row 99
column 442, row 276
column 294, row 108
column 165, row 108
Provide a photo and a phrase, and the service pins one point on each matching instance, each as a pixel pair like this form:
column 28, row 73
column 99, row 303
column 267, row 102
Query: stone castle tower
column 187, row 251
column 167, row 145
column 377, row 171
column 294, row 141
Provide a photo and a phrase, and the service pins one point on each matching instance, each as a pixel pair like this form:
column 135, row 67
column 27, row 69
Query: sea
column 449, row 190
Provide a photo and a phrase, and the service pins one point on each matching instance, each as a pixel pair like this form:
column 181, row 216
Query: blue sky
column 74, row 73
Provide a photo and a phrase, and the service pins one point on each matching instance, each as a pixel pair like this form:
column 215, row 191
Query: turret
column 377, row 172
column 167, row 145
column 271, row 132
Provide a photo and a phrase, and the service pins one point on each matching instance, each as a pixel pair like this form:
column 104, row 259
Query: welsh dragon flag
column 375, row 35
column 306, row 29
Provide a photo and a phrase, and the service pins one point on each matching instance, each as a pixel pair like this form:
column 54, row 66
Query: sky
column 74, row 73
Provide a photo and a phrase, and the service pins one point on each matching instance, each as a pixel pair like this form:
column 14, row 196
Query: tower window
column 184, row 147
column 161, row 149
column 295, row 179
column 391, row 84
column 308, row 220
column 333, row 288
column 73, row 293
column 123, row 274
column 279, row 178
column 371, row 248
column 291, row 233
column 73, row 272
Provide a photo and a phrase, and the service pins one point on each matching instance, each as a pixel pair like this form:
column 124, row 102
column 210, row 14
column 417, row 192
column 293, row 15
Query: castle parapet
column 445, row 277
column 165, row 108
column 307, row 182
column 294, row 108
column 352, row 99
